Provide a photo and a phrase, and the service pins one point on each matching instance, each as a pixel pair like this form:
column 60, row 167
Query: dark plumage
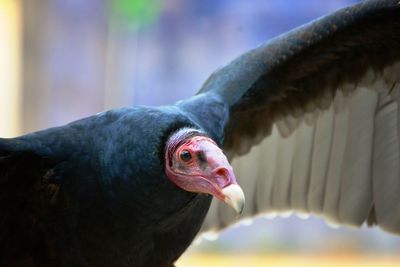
column 95, row 192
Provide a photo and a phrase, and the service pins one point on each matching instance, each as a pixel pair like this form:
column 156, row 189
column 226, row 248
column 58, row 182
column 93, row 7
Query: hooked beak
column 234, row 197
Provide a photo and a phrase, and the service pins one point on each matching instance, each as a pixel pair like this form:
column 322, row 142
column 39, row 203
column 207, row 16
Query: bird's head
column 195, row 163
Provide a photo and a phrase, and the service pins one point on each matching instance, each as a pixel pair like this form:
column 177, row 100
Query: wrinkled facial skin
column 198, row 165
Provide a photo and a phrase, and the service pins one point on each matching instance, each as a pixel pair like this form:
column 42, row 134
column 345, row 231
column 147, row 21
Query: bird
column 308, row 121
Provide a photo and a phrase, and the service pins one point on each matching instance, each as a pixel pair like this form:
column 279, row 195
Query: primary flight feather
column 310, row 120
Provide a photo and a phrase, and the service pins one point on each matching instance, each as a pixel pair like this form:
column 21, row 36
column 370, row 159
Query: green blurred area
column 128, row 13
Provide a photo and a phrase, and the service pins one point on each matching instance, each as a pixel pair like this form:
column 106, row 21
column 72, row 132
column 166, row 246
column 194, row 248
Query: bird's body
column 110, row 190
column 86, row 195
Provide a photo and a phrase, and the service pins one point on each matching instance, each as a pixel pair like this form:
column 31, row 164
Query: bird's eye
column 185, row 156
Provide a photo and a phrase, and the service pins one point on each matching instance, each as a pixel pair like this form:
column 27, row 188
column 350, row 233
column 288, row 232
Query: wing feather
column 328, row 168
column 336, row 160
column 283, row 173
column 268, row 150
column 355, row 187
column 302, row 168
column 320, row 159
column 386, row 173
column 329, row 91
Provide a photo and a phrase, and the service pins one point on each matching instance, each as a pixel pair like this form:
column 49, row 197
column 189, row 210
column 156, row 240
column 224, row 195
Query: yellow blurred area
column 10, row 71
column 287, row 260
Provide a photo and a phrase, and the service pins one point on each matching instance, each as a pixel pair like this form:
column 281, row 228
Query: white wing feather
column 337, row 163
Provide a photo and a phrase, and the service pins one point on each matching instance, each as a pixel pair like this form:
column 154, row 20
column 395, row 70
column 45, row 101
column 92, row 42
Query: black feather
column 102, row 200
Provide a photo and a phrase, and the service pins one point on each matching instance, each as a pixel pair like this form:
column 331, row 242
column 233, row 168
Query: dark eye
column 185, row 156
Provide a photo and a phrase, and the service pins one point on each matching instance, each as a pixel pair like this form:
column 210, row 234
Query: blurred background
column 65, row 59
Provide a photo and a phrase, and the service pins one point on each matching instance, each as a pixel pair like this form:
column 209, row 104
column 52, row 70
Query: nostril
column 221, row 172
column 222, row 176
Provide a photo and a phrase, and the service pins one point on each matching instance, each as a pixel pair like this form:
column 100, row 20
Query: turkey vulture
column 317, row 108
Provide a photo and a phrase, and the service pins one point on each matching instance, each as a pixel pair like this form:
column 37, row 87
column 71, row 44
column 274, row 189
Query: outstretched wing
column 318, row 108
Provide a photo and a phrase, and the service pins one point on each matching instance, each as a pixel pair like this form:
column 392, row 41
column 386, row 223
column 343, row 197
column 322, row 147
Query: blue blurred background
column 66, row 59
column 82, row 57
